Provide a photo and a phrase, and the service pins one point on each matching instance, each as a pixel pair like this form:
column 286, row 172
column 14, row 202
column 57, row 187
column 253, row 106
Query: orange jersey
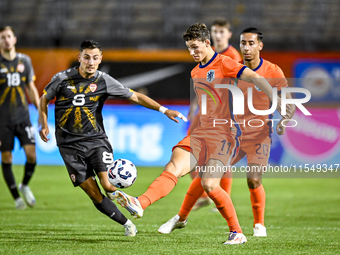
column 230, row 51
column 219, row 70
column 276, row 78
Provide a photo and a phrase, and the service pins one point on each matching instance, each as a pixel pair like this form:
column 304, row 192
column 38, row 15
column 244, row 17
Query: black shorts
column 24, row 131
column 84, row 159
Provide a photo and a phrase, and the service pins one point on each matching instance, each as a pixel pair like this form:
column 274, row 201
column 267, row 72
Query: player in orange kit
column 220, row 35
column 256, row 141
column 211, row 146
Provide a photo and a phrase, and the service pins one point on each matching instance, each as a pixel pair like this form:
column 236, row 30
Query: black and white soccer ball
column 122, row 173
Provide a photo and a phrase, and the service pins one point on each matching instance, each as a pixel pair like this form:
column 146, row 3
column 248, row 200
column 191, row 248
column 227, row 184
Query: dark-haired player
column 220, row 34
column 80, row 94
column 256, row 140
column 16, row 77
column 208, row 145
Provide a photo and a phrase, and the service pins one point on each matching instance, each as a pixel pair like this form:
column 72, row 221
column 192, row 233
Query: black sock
column 29, row 170
column 9, row 179
column 107, row 207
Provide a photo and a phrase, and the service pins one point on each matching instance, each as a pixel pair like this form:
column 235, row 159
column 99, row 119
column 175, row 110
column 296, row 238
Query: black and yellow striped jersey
column 79, row 102
column 14, row 76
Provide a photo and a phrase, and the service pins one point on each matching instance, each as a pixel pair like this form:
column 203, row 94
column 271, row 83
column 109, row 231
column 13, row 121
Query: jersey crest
column 21, row 67
column 93, row 87
column 210, row 75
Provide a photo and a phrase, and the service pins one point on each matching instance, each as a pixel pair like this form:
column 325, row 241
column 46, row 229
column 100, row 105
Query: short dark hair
column 3, row 28
column 222, row 22
column 89, row 44
column 197, row 31
column 254, row 30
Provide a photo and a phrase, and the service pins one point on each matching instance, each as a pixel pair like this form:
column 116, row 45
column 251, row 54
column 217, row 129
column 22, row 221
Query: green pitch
column 302, row 217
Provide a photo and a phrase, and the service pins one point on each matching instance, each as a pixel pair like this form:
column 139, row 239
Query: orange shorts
column 184, row 143
column 208, row 144
column 257, row 150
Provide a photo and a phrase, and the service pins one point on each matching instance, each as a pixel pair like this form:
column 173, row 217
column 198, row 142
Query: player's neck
column 252, row 64
column 221, row 48
column 209, row 56
column 9, row 55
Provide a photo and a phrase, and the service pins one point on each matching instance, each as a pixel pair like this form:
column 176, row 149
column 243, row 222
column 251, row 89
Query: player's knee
column 31, row 158
column 253, row 183
column 172, row 168
column 209, row 184
column 6, row 157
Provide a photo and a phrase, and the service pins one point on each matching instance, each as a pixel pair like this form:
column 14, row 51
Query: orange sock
column 194, row 175
column 158, row 189
column 225, row 206
column 226, row 184
column 195, row 190
column 258, row 202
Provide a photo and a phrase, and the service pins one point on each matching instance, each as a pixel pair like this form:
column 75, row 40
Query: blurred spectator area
column 305, row 25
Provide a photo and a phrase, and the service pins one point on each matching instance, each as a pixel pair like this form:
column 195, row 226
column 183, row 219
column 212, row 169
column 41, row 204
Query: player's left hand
column 43, row 132
column 280, row 128
column 175, row 114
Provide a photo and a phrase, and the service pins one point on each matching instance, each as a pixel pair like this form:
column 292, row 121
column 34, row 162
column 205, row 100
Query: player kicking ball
column 256, row 141
column 80, row 94
column 204, row 146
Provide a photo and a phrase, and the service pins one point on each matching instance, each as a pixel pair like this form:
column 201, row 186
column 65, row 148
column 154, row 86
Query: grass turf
column 302, row 217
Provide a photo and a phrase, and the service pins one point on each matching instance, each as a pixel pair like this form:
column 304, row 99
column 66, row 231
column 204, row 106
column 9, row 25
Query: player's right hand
column 43, row 132
column 171, row 114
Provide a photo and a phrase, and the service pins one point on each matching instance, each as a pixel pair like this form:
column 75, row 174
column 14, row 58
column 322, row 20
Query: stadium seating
column 292, row 25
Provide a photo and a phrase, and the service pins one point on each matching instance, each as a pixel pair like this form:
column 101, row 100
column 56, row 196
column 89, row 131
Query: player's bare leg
column 106, row 206
column 178, row 166
column 180, row 163
column 107, row 186
column 30, row 153
column 257, row 198
column 91, row 188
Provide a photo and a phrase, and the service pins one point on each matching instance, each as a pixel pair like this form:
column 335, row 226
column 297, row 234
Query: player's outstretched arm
column 152, row 104
column 43, row 127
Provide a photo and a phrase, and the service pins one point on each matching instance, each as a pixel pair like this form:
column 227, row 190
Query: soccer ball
column 122, row 173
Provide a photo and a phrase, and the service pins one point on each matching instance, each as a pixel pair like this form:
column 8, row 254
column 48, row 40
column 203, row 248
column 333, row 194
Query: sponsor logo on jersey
column 71, row 87
column 93, row 87
column 73, row 177
column 3, row 70
column 210, row 75
column 21, row 67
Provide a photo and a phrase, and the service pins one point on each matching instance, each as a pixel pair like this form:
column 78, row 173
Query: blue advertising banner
column 322, row 79
column 144, row 136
